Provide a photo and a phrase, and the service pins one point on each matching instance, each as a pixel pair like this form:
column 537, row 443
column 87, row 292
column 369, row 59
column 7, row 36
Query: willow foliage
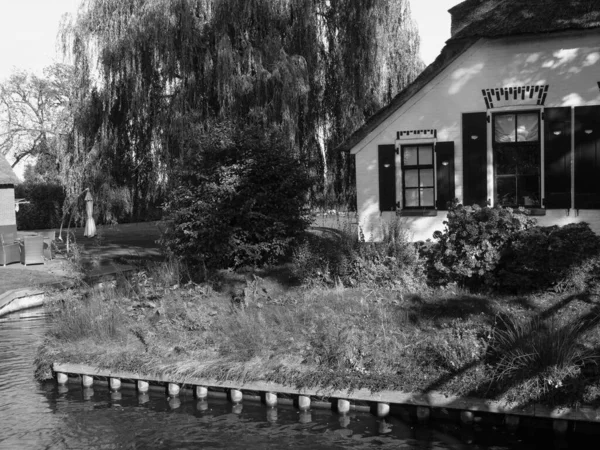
column 315, row 69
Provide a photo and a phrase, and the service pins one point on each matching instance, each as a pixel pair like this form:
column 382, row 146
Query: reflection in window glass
column 411, row 178
column 410, row 156
column 418, row 176
column 520, row 127
column 427, row 197
column 527, row 127
column 411, row 197
column 504, row 128
column 426, row 178
column 425, row 156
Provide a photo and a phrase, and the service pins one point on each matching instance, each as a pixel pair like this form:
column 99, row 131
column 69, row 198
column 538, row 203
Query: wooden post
column 87, row 381
column 62, row 378
column 115, row 384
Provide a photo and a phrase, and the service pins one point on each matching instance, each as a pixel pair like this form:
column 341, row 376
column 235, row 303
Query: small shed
column 8, row 179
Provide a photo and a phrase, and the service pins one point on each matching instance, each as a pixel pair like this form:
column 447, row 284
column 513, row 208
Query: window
column 517, row 159
column 418, row 185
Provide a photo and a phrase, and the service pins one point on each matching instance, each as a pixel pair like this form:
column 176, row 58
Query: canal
column 37, row 415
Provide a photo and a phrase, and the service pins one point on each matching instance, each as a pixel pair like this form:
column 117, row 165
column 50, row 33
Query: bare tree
column 35, row 112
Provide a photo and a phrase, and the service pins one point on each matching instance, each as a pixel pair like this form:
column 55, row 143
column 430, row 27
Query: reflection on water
column 43, row 415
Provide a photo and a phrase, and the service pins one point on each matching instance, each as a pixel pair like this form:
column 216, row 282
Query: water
column 45, row 416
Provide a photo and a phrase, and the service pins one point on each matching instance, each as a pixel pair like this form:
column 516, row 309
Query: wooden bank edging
column 429, row 400
column 20, row 299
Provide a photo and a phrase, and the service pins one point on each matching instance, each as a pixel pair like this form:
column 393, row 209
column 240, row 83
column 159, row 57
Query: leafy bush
column 544, row 257
column 473, row 241
column 239, row 200
column 45, row 205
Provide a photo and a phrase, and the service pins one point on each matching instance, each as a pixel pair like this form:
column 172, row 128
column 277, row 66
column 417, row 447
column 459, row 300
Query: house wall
column 8, row 219
column 569, row 62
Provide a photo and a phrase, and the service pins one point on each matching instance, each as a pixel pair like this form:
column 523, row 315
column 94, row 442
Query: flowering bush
column 473, row 241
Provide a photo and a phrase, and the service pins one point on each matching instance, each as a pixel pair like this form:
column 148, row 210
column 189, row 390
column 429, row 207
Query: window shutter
column 587, row 157
column 387, row 177
column 445, row 174
column 474, row 128
column 557, row 157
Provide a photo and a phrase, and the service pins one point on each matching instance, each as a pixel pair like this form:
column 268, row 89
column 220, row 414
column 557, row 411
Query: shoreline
column 469, row 409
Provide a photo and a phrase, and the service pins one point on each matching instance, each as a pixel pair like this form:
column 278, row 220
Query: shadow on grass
column 575, row 388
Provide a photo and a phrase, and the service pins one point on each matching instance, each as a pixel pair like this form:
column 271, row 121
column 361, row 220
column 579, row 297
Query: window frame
column 418, row 167
column 508, row 145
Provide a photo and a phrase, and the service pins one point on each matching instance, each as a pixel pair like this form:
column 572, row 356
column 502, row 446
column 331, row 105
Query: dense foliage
column 44, row 209
column 551, row 257
column 239, row 201
column 316, row 69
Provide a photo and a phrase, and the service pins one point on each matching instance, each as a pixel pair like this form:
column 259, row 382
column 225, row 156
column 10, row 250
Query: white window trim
column 490, row 148
column 399, row 192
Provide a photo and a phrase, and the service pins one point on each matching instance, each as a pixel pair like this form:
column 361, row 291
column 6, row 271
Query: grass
column 256, row 326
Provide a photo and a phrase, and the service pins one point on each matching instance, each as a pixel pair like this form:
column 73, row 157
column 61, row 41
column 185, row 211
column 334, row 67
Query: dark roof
column 490, row 18
column 7, row 175
column 449, row 53
column 495, row 18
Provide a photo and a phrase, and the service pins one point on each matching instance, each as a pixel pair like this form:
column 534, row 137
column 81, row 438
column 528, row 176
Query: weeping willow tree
column 158, row 72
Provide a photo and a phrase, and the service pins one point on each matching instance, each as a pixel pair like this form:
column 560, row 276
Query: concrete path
column 114, row 249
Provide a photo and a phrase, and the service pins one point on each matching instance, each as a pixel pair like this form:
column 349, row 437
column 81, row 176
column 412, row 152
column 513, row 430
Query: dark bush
column 45, row 205
column 240, row 200
column 472, row 243
column 545, row 257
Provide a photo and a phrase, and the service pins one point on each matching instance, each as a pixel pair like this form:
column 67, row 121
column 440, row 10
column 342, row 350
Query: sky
column 28, row 30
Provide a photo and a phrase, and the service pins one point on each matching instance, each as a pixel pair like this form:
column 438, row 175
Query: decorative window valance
column 515, row 96
column 416, row 134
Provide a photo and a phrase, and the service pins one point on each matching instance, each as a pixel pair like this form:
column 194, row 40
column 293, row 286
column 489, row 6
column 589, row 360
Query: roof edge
column 450, row 53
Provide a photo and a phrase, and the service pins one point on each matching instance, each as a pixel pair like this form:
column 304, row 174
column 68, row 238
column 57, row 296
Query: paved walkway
column 114, row 248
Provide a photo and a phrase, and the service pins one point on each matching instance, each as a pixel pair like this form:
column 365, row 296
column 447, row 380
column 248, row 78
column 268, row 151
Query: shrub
column 45, row 205
column 240, row 200
column 473, row 241
column 544, row 257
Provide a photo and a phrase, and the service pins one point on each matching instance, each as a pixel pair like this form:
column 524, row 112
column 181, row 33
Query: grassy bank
column 256, row 326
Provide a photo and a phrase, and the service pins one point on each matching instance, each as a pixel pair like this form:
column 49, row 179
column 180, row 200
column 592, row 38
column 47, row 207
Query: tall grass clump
column 542, row 353
column 94, row 316
column 344, row 257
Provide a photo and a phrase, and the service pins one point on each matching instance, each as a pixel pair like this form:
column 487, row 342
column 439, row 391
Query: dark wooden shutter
column 587, row 157
column 444, row 152
column 557, row 157
column 387, row 177
column 474, row 158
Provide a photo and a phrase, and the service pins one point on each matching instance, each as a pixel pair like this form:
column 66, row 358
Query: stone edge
column 431, row 399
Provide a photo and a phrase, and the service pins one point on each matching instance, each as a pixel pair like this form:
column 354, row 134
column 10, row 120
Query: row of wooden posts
column 303, row 402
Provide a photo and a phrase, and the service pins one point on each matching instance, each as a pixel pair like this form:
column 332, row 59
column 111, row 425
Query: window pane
column 426, row 178
column 527, row 127
column 426, row 197
column 411, row 197
column 504, row 128
column 528, row 188
column 410, row 156
column 411, row 178
column 506, row 191
column 425, row 156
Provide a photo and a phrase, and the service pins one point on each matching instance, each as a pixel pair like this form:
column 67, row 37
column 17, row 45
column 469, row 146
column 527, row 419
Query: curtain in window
column 527, row 127
column 516, row 127
column 504, row 128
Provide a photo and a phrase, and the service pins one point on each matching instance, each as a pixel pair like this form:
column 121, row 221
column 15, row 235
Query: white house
column 509, row 113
